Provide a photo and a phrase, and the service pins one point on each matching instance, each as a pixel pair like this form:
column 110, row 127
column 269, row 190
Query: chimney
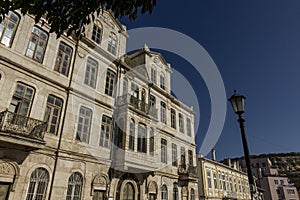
column 229, row 162
column 213, row 154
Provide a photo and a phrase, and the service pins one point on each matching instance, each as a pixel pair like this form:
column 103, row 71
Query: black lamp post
column 237, row 101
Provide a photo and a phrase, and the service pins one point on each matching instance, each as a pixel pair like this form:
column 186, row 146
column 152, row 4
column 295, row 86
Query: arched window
column 105, row 133
column 8, row 28
column 131, row 134
column 110, row 82
column 84, row 124
column 128, row 192
column 192, row 194
column 163, row 151
column 143, row 100
column 39, row 180
column 74, row 186
column 91, row 72
column 37, row 44
column 97, row 32
column 63, row 59
column 112, row 43
column 164, row 192
column 52, row 114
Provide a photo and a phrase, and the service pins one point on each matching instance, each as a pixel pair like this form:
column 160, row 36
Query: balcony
column 187, row 172
column 137, row 105
column 21, row 130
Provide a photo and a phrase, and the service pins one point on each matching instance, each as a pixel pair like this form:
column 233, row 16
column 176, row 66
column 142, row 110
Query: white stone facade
column 104, row 139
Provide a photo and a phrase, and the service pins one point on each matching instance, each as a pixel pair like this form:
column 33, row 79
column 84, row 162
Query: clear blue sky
column 256, row 47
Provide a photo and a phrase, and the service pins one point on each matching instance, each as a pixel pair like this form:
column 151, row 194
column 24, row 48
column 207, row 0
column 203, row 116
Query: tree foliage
column 74, row 15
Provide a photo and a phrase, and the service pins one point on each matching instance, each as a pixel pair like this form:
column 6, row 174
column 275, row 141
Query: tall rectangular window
column 162, row 82
column 190, row 155
column 52, row 114
column 163, row 112
column 163, row 151
column 208, row 174
column 182, row 156
column 22, row 99
column 142, row 138
column 188, row 127
column 215, row 180
column 181, row 124
column 174, row 155
column 173, row 118
column 63, row 59
column 106, row 126
column 84, row 124
column 96, row 35
column 37, row 44
column 131, row 135
column 153, row 75
column 91, row 73
column 8, row 28
column 151, row 142
column 112, row 43
column 110, row 81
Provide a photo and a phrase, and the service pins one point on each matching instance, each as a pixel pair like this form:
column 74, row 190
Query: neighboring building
column 268, row 178
column 219, row 181
column 87, row 121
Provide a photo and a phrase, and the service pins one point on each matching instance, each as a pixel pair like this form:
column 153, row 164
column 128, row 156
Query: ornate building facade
column 82, row 120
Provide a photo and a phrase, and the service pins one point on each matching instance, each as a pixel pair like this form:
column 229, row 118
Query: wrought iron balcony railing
column 15, row 124
column 137, row 104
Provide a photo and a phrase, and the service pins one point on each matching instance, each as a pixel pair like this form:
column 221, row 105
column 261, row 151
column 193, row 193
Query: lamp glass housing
column 238, row 103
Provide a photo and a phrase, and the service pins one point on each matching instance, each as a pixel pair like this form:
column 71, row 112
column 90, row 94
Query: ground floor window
column 128, row 192
column 99, row 195
column 4, row 190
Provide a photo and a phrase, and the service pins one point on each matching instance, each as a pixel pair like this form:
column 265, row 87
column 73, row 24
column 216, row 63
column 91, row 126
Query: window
column 224, row 182
column 52, row 114
column 128, row 192
column 110, row 81
column 84, row 124
column 190, row 156
column 175, row 192
column 215, row 181
column 182, row 156
column 281, row 182
column 181, row 125
column 120, row 139
column 125, row 86
column 39, row 180
column 8, row 28
column 220, row 180
column 192, row 194
column 152, row 101
column 208, row 174
column 112, row 43
column 74, row 186
column 163, row 112
column 37, row 44
column 153, row 75
column 91, row 73
column 151, row 142
column 164, row 192
column 142, row 138
column 99, row 195
column 164, row 151
column 173, row 118
column 63, row 59
column 174, row 155
column 276, row 182
column 22, row 100
column 131, row 135
column 162, row 81
column 105, row 131
column 96, row 35
column 188, row 127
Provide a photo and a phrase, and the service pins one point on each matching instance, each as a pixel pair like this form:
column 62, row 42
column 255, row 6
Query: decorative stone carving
column 100, row 181
column 152, row 187
column 7, row 169
column 184, row 191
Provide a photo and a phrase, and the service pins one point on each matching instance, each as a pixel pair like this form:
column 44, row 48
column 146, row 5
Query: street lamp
column 238, row 101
